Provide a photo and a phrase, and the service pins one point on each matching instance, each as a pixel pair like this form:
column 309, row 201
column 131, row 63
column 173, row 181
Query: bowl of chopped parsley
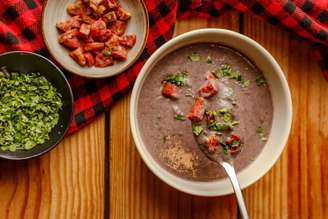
column 36, row 105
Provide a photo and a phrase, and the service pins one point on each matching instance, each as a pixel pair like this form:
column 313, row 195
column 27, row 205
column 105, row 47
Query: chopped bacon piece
column 110, row 16
column 113, row 41
column 99, row 31
column 72, row 43
column 90, row 60
column 93, row 46
column 120, row 53
column 103, row 61
column 213, row 143
column 118, row 27
column 232, row 138
column 69, row 39
column 128, row 40
column 101, row 10
column 64, row 26
column 208, row 89
column 68, row 35
column 122, row 14
column 85, row 30
column 87, row 19
column 234, row 144
column 112, row 4
column 94, row 4
column 170, row 90
column 78, row 56
column 197, row 110
column 75, row 8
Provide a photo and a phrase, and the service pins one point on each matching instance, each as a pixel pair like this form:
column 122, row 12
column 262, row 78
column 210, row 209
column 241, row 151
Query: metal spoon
column 226, row 162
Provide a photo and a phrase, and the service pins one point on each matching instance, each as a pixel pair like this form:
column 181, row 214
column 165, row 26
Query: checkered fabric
column 20, row 30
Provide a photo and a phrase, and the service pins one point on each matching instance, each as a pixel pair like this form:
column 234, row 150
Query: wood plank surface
column 134, row 191
column 68, row 182
column 296, row 185
column 294, row 188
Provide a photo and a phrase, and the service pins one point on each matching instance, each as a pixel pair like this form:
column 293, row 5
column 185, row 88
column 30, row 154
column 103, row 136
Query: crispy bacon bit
column 208, row 89
column 103, row 61
column 93, row 46
column 213, row 143
column 78, row 56
column 112, row 4
column 75, row 8
column 94, row 4
column 90, row 60
column 118, row 27
column 120, row 53
column 69, row 39
column 87, row 19
column 101, row 10
column 122, row 14
column 197, row 110
column 128, row 40
column 113, row 41
column 85, row 30
column 97, row 28
column 170, row 90
column 234, row 144
column 64, row 26
column 110, row 16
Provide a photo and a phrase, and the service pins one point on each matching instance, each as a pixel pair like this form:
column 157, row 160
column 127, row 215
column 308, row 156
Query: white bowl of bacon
column 95, row 38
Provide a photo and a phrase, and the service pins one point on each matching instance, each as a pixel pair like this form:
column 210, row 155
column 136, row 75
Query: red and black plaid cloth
column 20, row 30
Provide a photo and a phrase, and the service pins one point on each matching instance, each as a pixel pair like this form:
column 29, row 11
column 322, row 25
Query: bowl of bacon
column 95, row 38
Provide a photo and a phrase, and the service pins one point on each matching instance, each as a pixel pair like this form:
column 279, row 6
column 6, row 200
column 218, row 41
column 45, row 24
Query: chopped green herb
column 220, row 126
column 260, row 133
column 244, row 83
column 225, row 148
column 227, row 117
column 234, row 123
column 260, row 80
column 209, row 60
column 195, row 57
column 179, row 117
column 223, row 110
column 108, row 52
column 29, row 109
column 197, row 129
column 235, row 143
column 178, row 78
column 228, row 72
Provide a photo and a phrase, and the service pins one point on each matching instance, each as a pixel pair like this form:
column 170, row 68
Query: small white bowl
column 282, row 111
column 56, row 10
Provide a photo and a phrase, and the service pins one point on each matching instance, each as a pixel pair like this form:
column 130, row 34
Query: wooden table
column 97, row 173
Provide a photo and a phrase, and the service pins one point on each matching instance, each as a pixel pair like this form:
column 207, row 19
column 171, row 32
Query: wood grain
column 134, row 191
column 295, row 186
column 68, row 182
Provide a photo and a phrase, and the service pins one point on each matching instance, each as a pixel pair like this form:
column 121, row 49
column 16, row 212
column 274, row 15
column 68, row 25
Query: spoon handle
column 236, row 187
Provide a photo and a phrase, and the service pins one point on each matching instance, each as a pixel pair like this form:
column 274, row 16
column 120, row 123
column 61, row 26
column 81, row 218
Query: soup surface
column 237, row 110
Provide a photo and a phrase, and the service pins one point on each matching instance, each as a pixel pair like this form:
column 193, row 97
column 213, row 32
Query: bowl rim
column 104, row 75
column 159, row 171
column 71, row 101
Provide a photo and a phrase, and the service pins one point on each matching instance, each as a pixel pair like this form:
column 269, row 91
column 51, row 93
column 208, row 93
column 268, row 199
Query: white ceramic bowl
column 56, row 10
column 282, row 113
